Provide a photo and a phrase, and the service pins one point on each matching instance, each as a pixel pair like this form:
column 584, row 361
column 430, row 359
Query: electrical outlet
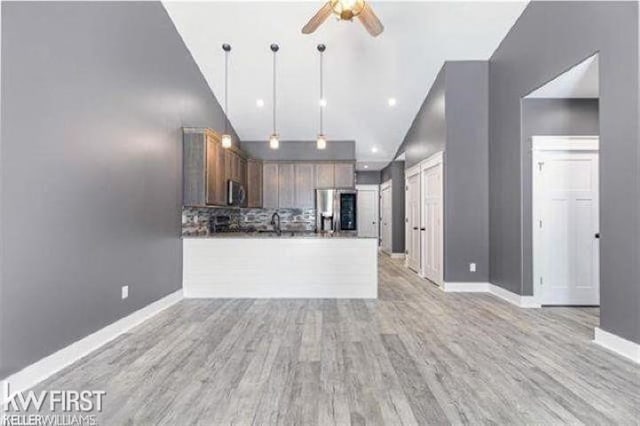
column 125, row 291
column 472, row 267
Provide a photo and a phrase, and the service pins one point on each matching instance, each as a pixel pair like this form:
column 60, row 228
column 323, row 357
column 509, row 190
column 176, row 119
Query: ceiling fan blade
column 318, row 18
column 370, row 21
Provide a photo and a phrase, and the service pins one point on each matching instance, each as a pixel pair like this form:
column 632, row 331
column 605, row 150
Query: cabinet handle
column 415, row 228
column 423, row 229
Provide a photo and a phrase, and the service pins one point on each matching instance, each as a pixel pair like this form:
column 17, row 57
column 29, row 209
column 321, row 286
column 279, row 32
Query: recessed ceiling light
column 374, row 149
column 392, row 102
column 259, row 103
column 323, row 102
column 366, row 167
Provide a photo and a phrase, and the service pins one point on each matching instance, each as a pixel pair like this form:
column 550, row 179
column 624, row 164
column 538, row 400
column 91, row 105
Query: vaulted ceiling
column 361, row 72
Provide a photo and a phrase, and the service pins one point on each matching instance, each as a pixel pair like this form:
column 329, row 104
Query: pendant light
column 321, row 142
column 226, row 137
column 274, row 142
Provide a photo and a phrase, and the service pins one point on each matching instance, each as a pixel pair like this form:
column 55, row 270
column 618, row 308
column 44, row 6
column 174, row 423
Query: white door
column 413, row 224
column 385, row 218
column 367, row 212
column 566, row 224
column 432, row 239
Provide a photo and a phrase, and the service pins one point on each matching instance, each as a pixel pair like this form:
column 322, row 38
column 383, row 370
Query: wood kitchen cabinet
column 207, row 167
column 254, row 183
column 324, row 175
column 216, row 188
column 286, row 185
column 304, row 184
column 344, row 175
column 270, row 185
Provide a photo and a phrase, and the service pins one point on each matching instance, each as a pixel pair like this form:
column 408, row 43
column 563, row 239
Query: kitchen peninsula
column 292, row 265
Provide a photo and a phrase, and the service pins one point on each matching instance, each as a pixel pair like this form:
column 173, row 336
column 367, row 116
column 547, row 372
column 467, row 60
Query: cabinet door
column 270, row 186
column 228, row 165
column 344, row 175
column 237, row 168
column 304, row 185
column 254, row 183
column 286, row 185
column 216, row 188
column 324, row 176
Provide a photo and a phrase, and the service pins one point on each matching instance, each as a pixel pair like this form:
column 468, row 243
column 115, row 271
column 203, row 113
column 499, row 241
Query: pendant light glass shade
column 321, row 142
column 226, row 137
column 274, row 142
column 226, row 141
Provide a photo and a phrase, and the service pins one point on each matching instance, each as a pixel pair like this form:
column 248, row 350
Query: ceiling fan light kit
column 346, row 10
column 226, row 137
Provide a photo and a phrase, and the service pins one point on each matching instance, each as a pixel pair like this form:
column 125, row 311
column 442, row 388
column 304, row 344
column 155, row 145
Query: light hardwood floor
column 415, row 356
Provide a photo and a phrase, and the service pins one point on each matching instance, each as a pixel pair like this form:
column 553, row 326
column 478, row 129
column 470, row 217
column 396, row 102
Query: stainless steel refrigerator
column 336, row 210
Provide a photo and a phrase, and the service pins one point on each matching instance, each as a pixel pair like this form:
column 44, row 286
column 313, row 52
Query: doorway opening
column 561, row 189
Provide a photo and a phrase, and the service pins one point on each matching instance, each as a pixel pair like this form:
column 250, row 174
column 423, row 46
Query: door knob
column 597, row 236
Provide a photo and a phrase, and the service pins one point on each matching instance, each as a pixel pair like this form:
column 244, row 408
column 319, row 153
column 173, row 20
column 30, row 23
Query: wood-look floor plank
column 415, row 356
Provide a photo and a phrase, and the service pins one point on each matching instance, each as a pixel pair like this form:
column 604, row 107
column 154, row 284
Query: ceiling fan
column 346, row 10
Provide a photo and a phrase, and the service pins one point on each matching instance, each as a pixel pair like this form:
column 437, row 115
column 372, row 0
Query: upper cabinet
column 207, row 167
column 344, row 175
column 293, row 184
column 304, row 185
column 270, row 185
column 324, row 176
column 254, row 183
column 286, row 185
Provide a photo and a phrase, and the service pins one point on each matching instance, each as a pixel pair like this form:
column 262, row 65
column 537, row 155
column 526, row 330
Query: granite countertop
column 285, row 234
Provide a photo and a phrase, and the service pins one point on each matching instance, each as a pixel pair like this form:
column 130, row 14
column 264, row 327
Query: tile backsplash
column 197, row 220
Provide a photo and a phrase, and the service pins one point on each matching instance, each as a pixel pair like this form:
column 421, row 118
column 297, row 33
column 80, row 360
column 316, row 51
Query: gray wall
column 466, row 174
column 301, row 150
column 454, row 118
column 547, row 39
column 395, row 172
column 368, row 177
column 94, row 96
column 428, row 132
column 555, row 117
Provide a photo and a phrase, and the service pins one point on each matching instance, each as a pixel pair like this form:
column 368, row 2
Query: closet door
column 386, row 218
column 368, row 213
column 432, row 240
column 413, row 225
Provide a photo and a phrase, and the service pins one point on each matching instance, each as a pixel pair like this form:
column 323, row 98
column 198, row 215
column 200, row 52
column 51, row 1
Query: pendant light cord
column 274, row 93
column 322, row 100
column 226, row 88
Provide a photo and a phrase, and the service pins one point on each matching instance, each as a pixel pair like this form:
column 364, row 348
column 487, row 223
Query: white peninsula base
column 280, row 268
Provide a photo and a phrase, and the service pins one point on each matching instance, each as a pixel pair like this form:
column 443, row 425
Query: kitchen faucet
column 276, row 223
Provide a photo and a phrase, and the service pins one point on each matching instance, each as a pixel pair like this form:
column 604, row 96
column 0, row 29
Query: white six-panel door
column 368, row 212
column 432, row 239
column 566, row 224
column 385, row 217
column 413, row 223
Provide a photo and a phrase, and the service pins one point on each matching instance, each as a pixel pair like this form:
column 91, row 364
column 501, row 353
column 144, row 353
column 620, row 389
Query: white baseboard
column 453, row 287
column 617, row 344
column 35, row 373
column 483, row 287
column 516, row 299
column 397, row 255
